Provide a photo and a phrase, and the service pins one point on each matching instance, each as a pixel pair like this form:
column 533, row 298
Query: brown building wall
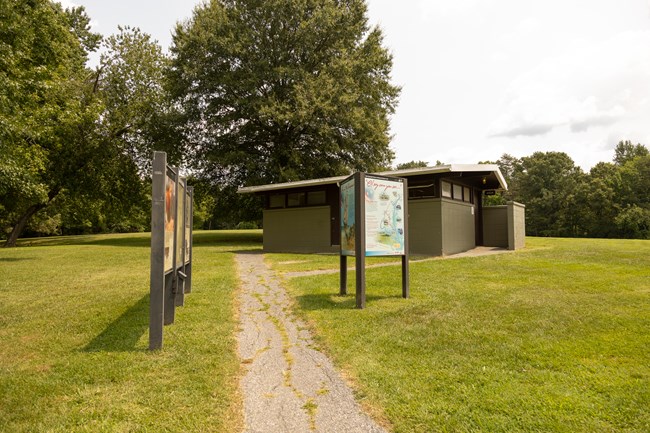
column 425, row 227
column 495, row 226
column 299, row 230
column 516, row 225
column 459, row 233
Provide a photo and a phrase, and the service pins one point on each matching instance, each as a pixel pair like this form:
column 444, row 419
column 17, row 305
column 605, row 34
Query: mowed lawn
column 554, row 338
column 74, row 337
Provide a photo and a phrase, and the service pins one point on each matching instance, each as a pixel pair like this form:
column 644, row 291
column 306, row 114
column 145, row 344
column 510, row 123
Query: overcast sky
column 485, row 77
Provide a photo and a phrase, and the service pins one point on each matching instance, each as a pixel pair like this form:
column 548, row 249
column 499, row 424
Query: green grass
column 74, row 338
column 552, row 338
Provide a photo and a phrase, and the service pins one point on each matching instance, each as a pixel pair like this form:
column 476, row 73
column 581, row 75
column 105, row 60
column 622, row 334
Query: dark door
column 478, row 216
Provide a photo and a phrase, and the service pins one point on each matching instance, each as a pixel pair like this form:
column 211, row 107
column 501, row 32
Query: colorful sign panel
column 348, row 213
column 170, row 213
column 384, row 216
column 180, row 227
column 188, row 221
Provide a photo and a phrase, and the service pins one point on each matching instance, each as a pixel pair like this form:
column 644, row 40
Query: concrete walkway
column 288, row 386
column 475, row 252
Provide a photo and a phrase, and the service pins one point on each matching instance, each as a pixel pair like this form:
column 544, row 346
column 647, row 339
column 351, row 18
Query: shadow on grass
column 123, row 333
column 116, row 240
column 200, row 238
column 15, row 259
column 334, row 301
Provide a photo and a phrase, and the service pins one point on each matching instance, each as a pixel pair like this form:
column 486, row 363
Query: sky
column 481, row 78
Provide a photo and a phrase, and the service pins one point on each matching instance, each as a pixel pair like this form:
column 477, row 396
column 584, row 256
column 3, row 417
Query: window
column 316, row 198
column 296, row 199
column 467, row 194
column 424, row 191
column 446, row 189
column 276, row 201
column 458, row 192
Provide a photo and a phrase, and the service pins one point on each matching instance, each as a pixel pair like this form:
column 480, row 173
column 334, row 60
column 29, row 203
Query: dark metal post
column 405, row 257
column 157, row 271
column 360, row 237
column 344, row 275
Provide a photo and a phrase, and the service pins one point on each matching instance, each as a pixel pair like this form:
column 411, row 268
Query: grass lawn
column 74, row 337
column 553, row 338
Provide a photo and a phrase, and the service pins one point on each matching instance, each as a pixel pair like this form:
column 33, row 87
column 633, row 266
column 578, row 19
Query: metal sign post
column 157, row 274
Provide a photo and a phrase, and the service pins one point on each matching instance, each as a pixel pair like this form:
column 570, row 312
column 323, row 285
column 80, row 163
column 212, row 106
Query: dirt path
column 288, row 386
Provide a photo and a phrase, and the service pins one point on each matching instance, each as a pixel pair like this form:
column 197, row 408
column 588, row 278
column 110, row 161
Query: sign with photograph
column 180, row 227
column 348, row 214
column 170, row 214
column 171, row 246
column 188, row 224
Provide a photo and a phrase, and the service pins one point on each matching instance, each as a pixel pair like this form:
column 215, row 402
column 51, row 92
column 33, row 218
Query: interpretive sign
column 384, row 216
column 347, row 216
column 373, row 223
column 170, row 215
column 171, row 246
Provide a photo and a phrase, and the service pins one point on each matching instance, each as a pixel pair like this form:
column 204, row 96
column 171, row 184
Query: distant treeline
column 611, row 201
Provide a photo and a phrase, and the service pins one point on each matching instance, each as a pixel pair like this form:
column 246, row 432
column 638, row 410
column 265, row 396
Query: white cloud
column 589, row 86
column 446, row 9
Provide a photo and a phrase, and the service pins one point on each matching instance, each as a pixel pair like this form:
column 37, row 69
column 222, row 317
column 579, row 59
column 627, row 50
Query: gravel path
column 288, row 386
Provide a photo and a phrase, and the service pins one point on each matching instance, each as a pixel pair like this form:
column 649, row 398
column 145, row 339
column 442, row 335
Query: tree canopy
column 63, row 144
column 612, row 200
column 277, row 90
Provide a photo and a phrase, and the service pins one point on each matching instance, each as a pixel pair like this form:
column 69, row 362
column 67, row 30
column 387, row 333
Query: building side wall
column 459, row 226
column 300, row 230
column 516, row 225
column 425, row 227
column 495, row 226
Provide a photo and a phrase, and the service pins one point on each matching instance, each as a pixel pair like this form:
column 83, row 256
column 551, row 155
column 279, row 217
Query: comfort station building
column 445, row 212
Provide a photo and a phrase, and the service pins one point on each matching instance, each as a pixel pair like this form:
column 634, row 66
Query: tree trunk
column 20, row 225
column 25, row 217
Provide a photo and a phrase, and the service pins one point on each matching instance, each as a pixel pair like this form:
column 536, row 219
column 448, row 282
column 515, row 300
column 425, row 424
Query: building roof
column 475, row 169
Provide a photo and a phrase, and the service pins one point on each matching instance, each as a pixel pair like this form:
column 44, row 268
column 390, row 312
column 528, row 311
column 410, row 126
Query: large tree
column 548, row 185
column 43, row 108
column 69, row 137
column 282, row 90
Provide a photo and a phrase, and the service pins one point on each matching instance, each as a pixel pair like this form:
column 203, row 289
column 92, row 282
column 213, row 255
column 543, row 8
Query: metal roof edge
column 452, row 168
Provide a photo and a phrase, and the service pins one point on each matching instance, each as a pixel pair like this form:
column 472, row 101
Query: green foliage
column 633, row 222
column 411, row 164
column 277, row 91
column 547, row 186
column 610, row 201
column 70, row 138
column 625, row 151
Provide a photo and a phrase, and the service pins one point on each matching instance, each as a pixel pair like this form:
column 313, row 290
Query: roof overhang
column 458, row 169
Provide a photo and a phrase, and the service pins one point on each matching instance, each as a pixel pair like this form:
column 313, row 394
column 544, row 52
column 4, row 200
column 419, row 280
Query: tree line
column 612, row 200
column 251, row 92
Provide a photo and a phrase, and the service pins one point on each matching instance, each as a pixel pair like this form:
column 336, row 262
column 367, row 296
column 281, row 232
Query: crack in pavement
column 288, row 386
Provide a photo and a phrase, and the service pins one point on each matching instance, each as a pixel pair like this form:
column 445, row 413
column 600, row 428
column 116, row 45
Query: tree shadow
column 15, row 259
column 123, row 333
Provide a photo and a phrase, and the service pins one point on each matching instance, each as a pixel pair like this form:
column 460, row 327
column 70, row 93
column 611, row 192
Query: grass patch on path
column 74, row 317
column 554, row 338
